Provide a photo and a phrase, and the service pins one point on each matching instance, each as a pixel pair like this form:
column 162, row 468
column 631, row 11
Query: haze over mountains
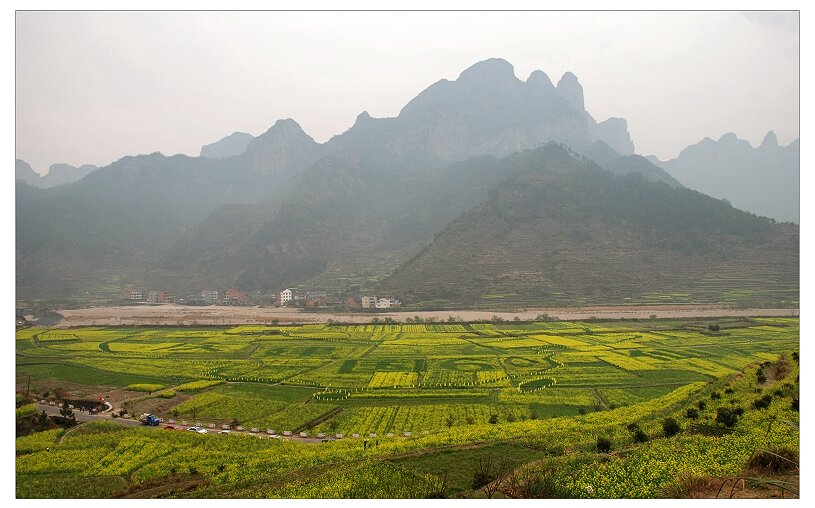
column 58, row 174
column 763, row 180
column 480, row 186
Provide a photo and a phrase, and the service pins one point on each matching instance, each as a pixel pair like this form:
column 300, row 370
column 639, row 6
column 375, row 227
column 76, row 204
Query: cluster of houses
column 289, row 297
column 294, row 297
column 206, row 297
column 372, row 302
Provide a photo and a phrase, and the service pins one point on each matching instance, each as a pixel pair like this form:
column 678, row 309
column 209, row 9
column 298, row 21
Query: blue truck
column 148, row 419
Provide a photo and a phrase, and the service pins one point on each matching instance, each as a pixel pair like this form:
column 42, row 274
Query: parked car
column 198, row 430
column 169, row 427
column 224, row 432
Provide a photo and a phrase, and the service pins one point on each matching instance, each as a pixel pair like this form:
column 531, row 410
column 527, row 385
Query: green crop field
column 557, row 384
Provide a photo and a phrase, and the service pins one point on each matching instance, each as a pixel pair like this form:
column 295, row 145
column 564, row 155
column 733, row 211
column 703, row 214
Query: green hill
column 563, row 230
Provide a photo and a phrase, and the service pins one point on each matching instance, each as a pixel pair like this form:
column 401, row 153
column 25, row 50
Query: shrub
column 603, row 444
column 715, row 395
column 729, row 391
column 702, row 405
column 145, row 387
column 727, row 416
column 794, row 404
column 763, row 402
column 670, row 427
column 714, row 327
column 543, row 484
column 761, row 378
column 777, row 460
column 493, row 418
column 691, row 413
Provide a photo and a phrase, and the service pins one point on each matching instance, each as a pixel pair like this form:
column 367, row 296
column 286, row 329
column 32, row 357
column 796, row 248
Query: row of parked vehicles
column 155, row 421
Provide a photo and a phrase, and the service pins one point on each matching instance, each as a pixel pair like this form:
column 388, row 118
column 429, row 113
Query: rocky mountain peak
column 571, row 90
column 614, row 131
column 490, row 73
column 362, row 118
column 283, row 148
column 539, row 80
column 770, row 140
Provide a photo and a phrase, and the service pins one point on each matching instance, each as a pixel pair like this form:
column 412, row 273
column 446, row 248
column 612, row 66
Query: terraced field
column 392, row 378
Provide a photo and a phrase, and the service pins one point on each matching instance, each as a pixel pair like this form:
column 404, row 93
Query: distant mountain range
column 58, row 174
column 518, row 171
column 763, row 180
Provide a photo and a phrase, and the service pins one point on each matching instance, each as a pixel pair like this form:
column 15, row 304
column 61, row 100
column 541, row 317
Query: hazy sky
column 93, row 87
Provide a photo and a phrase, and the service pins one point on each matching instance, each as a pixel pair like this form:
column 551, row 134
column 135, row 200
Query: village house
column 210, row 296
column 372, row 302
column 292, row 296
column 387, row 303
column 234, row 296
column 135, row 295
column 159, row 297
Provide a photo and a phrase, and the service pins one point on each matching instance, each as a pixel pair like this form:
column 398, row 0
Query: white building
column 387, row 303
column 286, row 295
column 368, row 302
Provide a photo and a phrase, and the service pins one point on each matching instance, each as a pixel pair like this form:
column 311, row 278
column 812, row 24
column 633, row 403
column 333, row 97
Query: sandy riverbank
column 218, row 315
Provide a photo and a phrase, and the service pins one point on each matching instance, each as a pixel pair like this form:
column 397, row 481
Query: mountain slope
column 565, row 231
column 234, row 144
column 58, row 174
column 486, row 111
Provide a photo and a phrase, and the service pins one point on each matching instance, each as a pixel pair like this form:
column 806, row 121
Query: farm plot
column 361, row 420
column 618, row 397
column 560, row 368
column 393, row 379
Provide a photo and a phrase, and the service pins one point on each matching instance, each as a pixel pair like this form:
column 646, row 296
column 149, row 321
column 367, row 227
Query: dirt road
column 222, row 315
column 130, row 422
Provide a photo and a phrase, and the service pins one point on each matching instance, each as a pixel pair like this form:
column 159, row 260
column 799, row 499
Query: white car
column 198, row 430
column 224, row 432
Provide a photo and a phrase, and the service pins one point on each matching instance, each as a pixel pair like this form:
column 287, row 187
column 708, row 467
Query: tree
column 637, row 433
column 714, row 327
column 727, row 416
column 670, row 427
column 67, row 413
column 603, row 444
column 489, row 474
column 42, row 421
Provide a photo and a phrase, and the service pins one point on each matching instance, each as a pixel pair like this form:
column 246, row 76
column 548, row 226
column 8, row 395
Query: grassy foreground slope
column 561, row 409
column 537, row 458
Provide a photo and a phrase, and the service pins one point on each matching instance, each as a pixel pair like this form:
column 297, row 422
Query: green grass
column 456, row 467
column 80, row 374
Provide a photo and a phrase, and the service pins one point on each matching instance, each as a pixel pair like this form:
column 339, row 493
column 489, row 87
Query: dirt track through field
column 220, row 315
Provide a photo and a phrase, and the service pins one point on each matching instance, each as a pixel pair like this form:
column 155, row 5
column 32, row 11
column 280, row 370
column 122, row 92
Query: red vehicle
column 169, row 427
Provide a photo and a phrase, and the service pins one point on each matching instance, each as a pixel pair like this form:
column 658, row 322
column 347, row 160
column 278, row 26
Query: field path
column 145, row 315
